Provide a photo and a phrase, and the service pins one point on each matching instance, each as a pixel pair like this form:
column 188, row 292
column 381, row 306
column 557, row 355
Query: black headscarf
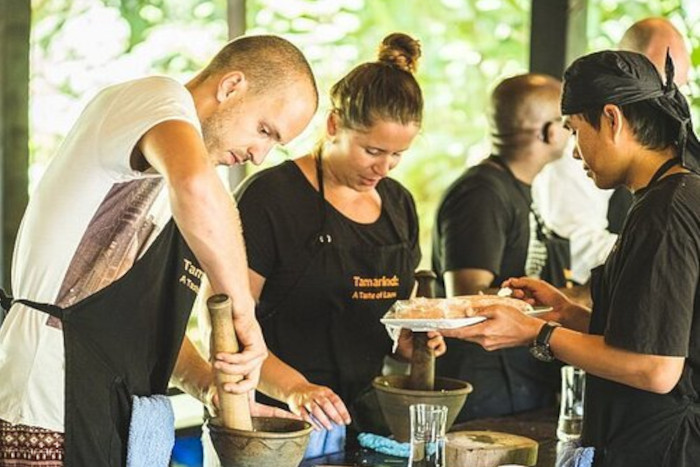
column 624, row 77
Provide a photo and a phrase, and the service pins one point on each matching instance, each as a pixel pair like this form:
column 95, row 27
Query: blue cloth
column 572, row 454
column 322, row 442
column 151, row 432
column 384, row 445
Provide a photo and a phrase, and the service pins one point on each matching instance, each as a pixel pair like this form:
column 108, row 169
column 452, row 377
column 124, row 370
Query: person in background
column 487, row 229
column 332, row 243
column 639, row 346
column 128, row 216
column 591, row 218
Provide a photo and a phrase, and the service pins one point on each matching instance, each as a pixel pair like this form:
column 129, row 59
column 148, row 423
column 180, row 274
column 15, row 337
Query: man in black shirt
column 487, row 230
column 639, row 346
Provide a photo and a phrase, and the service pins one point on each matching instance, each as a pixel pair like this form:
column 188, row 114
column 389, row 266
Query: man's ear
column 229, row 84
column 612, row 117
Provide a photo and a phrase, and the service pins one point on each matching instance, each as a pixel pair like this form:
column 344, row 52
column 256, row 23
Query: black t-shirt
column 648, row 301
column 301, row 301
column 483, row 222
column 281, row 216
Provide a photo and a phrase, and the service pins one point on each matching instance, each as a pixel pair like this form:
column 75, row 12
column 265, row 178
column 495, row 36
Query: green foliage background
column 468, row 45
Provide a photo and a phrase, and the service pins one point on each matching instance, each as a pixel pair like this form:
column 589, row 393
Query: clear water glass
column 428, row 424
column 573, row 383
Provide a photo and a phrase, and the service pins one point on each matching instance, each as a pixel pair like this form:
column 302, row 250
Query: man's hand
column 256, row 409
column 318, row 405
column 405, row 345
column 538, row 292
column 504, row 327
column 261, row 410
column 248, row 361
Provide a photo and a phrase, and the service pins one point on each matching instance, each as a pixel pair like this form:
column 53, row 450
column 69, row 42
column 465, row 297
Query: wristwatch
column 540, row 348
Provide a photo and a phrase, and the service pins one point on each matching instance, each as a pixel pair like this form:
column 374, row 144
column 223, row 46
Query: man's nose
column 577, row 152
column 259, row 152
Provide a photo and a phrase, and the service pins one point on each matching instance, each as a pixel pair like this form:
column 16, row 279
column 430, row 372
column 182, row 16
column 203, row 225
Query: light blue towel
column 572, row 454
column 151, row 432
column 384, row 445
column 322, row 442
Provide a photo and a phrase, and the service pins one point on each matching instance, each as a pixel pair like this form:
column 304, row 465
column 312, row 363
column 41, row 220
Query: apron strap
column 7, row 301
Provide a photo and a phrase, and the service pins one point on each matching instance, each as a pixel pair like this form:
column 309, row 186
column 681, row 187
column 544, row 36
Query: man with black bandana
column 638, row 347
column 569, row 201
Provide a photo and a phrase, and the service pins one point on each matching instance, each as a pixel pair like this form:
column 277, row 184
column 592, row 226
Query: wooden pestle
column 422, row 377
column 234, row 411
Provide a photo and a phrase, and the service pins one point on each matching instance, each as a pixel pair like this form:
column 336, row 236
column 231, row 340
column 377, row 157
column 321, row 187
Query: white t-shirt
column 575, row 208
column 89, row 220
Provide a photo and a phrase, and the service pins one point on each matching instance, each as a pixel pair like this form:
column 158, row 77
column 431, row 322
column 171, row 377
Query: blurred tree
column 468, row 45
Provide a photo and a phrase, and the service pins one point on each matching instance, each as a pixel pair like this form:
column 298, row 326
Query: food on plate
column 463, row 306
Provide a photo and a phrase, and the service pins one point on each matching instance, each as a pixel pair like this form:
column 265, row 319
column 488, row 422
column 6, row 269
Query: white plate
column 539, row 310
column 423, row 325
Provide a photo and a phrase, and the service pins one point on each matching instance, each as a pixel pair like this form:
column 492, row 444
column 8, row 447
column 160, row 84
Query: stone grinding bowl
column 274, row 442
column 395, row 399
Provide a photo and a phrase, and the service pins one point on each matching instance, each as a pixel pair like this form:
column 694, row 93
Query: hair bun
column 401, row 51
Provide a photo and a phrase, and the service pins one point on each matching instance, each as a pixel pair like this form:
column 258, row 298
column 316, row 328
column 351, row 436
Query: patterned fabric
column 25, row 446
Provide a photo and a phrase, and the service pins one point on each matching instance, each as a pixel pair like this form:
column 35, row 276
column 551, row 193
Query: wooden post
column 422, row 377
column 557, row 34
column 15, row 21
column 235, row 14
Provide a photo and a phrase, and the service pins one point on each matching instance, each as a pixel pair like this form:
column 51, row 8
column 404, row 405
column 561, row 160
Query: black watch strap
column 545, row 333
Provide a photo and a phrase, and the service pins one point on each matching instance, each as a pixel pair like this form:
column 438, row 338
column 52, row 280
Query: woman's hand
column 318, row 405
column 405, row 347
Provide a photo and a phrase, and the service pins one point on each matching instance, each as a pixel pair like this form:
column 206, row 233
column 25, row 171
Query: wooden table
column 539, row 425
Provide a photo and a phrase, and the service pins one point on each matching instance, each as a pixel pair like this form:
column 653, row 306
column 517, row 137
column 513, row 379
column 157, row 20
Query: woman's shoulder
column 393, row 188
column 279, row 182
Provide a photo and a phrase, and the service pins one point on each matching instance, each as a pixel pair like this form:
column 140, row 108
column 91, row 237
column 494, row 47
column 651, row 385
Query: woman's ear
column 332, row 123
column 229, row 84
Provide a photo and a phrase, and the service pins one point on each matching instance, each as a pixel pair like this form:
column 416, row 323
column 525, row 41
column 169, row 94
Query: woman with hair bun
column 332, row 243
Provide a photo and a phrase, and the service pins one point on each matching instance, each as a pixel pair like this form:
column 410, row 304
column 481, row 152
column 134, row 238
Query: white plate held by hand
column 424, row 325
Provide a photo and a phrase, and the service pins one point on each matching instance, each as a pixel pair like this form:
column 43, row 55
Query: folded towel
column 384, row 445
column 151, row 432
column 322, row 442
column 572, row 454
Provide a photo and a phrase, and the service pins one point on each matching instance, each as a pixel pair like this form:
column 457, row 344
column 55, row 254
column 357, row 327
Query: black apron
column 630, row 427
column 510, row 380
column 121, row 341
column 557, row 268
column 336, row 305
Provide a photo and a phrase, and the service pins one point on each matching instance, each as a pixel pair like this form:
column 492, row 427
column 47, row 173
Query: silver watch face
column 542, row 352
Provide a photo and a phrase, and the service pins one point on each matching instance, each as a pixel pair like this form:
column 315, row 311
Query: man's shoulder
column 481, row 179
column 143, row 92
column 150, row 83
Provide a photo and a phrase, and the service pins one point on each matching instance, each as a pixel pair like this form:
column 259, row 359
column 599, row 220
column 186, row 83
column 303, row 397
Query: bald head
column 267, row 61
column 522, row 103
column 652, row 37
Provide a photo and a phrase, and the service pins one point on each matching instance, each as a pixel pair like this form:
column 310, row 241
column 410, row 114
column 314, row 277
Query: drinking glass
column 573, row 382
column 427, row 435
